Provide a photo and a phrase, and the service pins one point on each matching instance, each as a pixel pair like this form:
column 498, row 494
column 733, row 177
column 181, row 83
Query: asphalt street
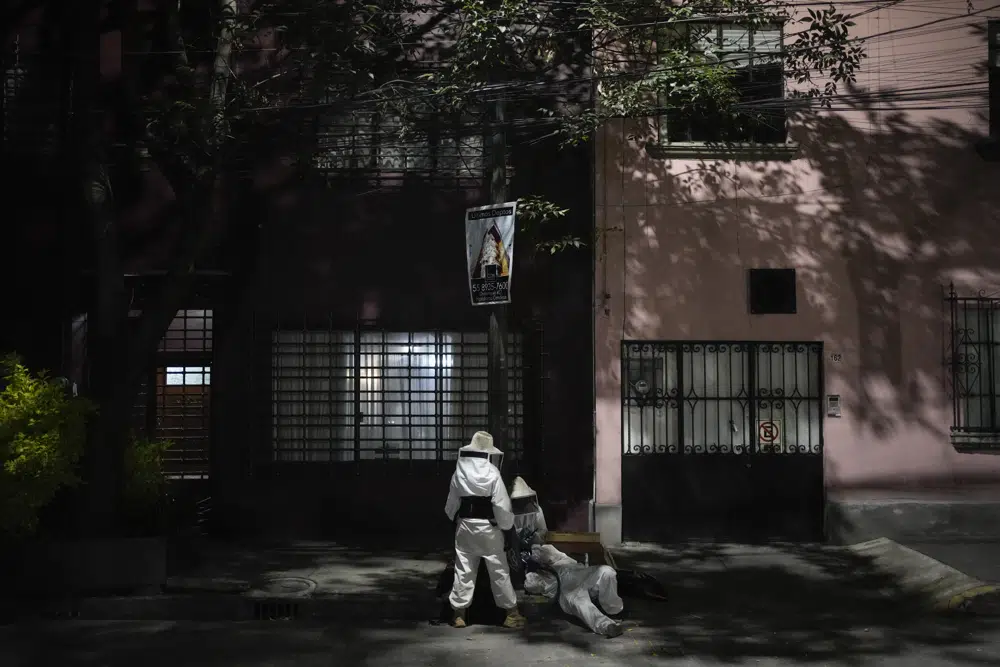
column 726, row 605
column 938, row 641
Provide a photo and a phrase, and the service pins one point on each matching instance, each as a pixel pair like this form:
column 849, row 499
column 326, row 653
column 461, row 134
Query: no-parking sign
column 769, row 431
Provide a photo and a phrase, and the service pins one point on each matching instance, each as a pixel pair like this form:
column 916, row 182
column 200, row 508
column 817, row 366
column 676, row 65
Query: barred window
column 385, row 395
column 366, row 141
column 175, row 396
column 972, row 362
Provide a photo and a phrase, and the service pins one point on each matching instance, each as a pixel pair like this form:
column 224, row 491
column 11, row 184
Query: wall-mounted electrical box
column 833, row 405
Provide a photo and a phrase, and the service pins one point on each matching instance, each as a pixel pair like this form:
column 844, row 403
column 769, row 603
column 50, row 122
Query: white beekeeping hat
column 520, row 489
column 482, row 442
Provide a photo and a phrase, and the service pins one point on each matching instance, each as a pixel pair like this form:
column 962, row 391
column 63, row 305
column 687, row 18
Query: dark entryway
column 174, row 400
column 354, row 431
column 722, row 440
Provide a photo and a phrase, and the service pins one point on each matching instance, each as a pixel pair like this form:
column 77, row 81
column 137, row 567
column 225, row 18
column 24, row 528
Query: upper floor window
column 368, row 141
column 753, row 56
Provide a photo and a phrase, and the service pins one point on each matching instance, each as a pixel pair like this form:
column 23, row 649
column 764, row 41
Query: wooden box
column 579, row 545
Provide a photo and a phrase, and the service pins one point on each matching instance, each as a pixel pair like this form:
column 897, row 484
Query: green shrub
column 43, row 432
column 145, row 480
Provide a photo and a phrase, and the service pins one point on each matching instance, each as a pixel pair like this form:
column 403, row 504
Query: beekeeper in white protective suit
column 479, row 504
column 578, row 586
column 529, row 520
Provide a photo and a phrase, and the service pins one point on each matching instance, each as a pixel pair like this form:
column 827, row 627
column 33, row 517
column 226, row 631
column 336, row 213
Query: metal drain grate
column 275, row 611
column 60, row 613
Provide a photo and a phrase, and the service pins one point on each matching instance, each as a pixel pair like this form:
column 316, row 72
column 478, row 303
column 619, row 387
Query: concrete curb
column 944, row 587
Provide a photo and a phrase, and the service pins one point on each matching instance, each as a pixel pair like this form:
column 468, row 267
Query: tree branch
column 222, row 71
column 13, row 17
column 174, row 36
column 205, row 223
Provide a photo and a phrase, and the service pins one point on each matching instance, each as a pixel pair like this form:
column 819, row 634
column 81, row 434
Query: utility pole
column 497, row 339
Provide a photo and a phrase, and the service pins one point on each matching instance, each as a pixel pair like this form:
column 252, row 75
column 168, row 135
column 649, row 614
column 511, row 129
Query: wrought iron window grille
column 972, row 355
column 711, row 397
column 367, row 395
column 449, row 147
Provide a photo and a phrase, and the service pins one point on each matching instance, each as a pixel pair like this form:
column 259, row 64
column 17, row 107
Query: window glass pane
column 735, row 49
column 767, row 44
column 391, row 153
column 472, row 155
column 188, row 375
column 460, row 156
column 704, row 38
column 189, row 331
column 673, row 37
column 344, row 141
column 975, row 349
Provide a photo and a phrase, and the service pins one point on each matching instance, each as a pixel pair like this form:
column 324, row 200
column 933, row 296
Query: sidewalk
column 871, row 574
column 805, row 603
column 717, row 584
column 300, row 580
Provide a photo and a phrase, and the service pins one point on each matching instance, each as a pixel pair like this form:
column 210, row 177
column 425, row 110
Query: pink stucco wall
column 885, row 204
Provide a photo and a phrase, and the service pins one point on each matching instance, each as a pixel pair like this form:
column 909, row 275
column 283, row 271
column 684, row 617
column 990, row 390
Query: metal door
column 722, row 440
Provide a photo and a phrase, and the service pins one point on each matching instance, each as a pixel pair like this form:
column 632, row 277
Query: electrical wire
column 909, row 67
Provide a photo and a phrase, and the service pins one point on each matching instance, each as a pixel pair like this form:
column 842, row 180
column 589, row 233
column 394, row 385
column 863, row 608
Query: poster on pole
column 489, row 248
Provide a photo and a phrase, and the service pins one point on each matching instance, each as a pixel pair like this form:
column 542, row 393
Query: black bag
column 633, row 583
column 515, row 558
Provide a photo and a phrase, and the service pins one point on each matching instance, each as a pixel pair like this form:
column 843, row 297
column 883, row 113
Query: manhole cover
column 284, row 587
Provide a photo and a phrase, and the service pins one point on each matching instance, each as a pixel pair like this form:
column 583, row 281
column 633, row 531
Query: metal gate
column 722, row 440
column 370, row 395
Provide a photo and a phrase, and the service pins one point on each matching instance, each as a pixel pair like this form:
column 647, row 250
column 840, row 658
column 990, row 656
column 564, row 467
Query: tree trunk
column 119, row 355
column 205, row 223
column 102, row 462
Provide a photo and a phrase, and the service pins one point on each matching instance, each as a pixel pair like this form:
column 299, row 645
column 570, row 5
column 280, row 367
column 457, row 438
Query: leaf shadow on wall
column 878, row 213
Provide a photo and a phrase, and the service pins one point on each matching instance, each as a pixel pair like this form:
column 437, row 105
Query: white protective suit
column 579, row 586
column 480, row 538
column 528, row 515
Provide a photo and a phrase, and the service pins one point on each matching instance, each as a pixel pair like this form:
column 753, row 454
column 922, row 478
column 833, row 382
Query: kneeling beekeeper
column 576, row 586
column 479, row 505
